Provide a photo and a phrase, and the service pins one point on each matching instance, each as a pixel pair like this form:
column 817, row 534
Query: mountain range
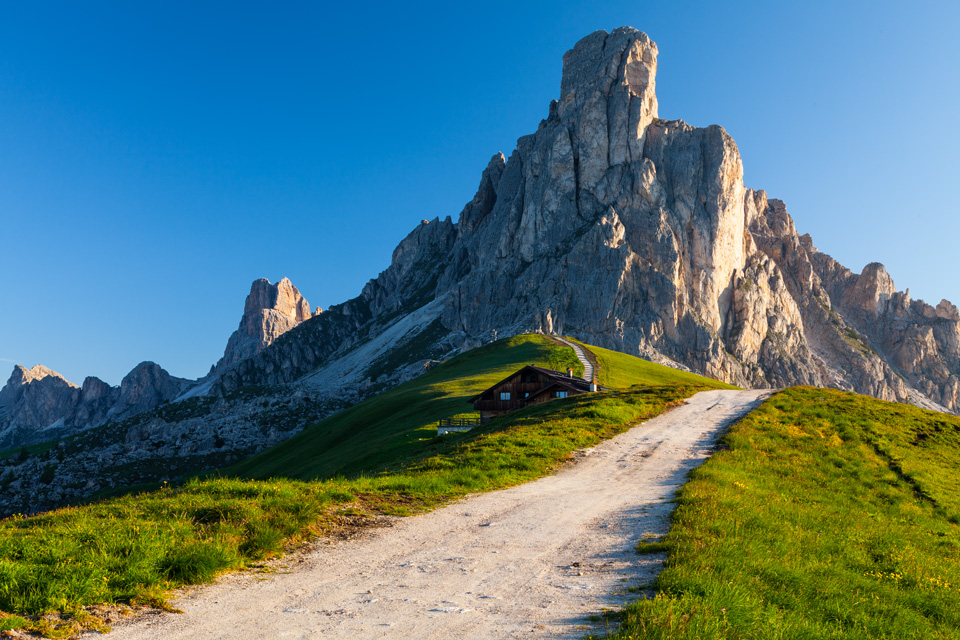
column 608, row 224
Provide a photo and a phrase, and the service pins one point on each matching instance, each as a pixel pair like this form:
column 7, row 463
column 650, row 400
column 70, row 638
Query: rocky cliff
column 637, row 233
column 269, row 311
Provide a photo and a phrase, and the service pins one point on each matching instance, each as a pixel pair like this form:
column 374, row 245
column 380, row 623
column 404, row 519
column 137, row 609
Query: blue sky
column 155, row 158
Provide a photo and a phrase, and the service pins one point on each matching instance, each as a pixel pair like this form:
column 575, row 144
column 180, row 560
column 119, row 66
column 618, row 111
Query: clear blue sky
column 155, row 158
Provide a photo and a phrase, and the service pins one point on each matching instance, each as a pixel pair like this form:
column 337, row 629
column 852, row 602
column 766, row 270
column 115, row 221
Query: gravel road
column 533, row 561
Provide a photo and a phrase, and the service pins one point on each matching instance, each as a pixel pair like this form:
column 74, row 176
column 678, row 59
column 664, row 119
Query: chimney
column 569, row 372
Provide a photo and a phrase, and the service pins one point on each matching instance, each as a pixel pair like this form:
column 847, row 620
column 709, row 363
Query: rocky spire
column 270, row 311
column 608, row 97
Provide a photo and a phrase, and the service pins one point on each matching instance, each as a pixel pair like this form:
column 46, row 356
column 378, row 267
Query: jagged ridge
column 637, row 233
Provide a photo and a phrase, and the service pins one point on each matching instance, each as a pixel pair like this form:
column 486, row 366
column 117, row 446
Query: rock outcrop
column 39, row 404
column 269, row 311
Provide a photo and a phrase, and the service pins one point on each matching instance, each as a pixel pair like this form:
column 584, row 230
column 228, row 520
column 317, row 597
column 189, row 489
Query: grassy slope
column 389, row 427
column 135, row 548
column 829, row 515
column 388, row 430
column 619, row 371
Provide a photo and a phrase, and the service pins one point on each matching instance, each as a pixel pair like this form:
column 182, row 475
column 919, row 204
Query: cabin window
column 504, row 395
column 526, row 395
column 559, row 394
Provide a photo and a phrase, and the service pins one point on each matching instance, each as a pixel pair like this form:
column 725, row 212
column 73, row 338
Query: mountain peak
column 282, row 297
column 35, row 398
column 269, row 311
column 22, row 375
column 603, row 64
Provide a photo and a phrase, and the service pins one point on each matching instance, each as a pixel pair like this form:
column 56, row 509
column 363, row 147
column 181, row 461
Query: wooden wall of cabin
column 520, row 386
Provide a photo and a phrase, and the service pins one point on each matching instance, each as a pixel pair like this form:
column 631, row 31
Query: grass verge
column 828, row 515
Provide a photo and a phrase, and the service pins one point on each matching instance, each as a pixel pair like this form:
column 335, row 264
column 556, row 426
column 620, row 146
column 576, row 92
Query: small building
column 530, row 385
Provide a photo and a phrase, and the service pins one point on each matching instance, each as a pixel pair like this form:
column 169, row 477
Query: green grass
column 827, row 515
column 391, row 426
column 620, row 371
column 388, row 430
column 54, row 568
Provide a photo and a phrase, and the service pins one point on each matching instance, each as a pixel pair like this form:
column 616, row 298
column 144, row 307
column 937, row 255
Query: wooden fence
column 455, row 425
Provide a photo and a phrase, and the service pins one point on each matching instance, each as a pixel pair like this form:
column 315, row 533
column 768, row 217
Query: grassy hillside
column 828, row 515
column 389, row 427
column 387, row 431
column 620, row 371
column 56, row 568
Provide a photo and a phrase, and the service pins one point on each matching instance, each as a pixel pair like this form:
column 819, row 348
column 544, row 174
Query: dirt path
column 531, row 561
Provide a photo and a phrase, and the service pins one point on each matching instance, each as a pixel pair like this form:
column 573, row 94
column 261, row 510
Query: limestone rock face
column 638, row 234
column 269, row 311
column 148, row 385
column 37, row 397
column 608, row 222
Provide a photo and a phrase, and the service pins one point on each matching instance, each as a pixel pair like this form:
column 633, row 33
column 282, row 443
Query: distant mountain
column 39, row 404
column 608, row 224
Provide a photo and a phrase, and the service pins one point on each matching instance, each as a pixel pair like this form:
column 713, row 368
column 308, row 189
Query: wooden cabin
column 530, row 385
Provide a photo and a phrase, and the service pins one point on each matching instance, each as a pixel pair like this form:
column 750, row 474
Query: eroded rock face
column 638, row 234
column 270, row 311
column 37, row 397
column 148, row 385
column 610, row 223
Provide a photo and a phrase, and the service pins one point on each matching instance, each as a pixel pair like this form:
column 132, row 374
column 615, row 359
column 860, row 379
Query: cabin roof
column 556, row 377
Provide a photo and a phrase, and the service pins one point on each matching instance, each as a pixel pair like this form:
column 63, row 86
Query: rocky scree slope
column 637, row 233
